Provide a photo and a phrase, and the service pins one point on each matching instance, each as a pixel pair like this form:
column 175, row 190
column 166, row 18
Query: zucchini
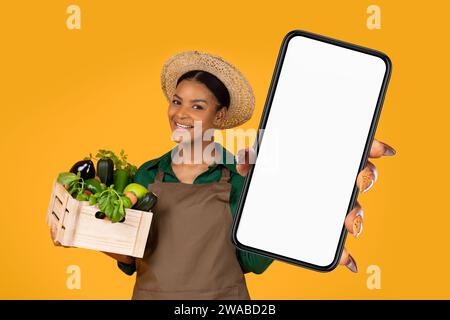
column 105, row 171
column 147, row 202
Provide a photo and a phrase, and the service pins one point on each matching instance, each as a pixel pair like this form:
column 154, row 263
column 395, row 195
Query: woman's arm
column 120, row 257
column 125, row 263
column 251, row 262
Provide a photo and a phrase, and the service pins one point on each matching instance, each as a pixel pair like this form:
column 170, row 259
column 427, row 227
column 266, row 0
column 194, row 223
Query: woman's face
column 193, row 104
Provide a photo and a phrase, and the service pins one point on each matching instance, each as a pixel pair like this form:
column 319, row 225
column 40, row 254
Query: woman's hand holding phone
column 245, row 158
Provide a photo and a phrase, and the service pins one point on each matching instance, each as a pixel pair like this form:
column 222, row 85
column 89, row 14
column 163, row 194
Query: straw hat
column 242, row 100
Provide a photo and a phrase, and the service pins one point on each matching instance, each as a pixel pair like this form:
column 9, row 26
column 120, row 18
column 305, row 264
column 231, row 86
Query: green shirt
column 146, row 173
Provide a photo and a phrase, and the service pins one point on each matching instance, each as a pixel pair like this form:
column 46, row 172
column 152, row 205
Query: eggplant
column 147, row 202
column 105, row 171
column 86, row 169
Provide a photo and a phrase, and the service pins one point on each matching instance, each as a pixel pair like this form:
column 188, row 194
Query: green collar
column 164, row 162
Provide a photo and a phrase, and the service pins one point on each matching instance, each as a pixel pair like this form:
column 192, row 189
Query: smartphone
column 315, row 135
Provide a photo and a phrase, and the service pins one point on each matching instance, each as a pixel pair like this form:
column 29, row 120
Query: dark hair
column 212, row 82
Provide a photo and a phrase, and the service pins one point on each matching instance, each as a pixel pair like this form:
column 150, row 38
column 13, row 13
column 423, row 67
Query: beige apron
column 189, row 253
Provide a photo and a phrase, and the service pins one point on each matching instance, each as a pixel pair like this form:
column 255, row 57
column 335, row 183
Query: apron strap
column 225, row 175
column 159, row 176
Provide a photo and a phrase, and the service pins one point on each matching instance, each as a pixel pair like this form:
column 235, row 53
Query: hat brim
column 242, row 99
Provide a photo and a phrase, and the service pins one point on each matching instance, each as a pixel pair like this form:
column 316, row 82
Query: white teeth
column 183, row 126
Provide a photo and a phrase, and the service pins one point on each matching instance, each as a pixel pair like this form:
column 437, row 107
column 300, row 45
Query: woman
column 189, row 254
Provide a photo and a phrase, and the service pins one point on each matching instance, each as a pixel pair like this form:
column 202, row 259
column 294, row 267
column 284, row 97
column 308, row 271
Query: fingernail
column 252, row 156
column 351, row 265
column 240, row 157
column 357, row 226
column 360, row 213
column 360, row 230
column 375, row 174
column 370, row 186
column 388, row 150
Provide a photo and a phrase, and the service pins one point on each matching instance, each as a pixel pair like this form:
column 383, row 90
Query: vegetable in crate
column 132, row 197
column 120, row 179
column 128, row 167
column 105, row 170
column 111, row 203
column 147, row 202
column 73, row 183
column 94, row 186
column 82, row 197
column 106, row 193
column 125, row 171
column 85, row 167
column 137, row 189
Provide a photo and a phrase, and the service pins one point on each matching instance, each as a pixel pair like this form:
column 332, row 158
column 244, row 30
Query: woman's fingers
column 380, row 149
column 367, row 177
column 348, row 261
column 53, row 232
column 354, row 221
column 245, row 158
column 53, row 235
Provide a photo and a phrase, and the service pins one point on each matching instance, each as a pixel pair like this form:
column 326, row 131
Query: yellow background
column 65, row 93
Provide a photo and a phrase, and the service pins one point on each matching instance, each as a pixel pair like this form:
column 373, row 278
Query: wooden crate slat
column 141, row 239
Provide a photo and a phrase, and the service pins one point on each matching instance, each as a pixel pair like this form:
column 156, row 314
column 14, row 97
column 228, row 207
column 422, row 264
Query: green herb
column 67, row 177
column 82, row 197
column 128, row 167
column 111, row 203
column 74, row 182
column 89, row 157
column 120, row 162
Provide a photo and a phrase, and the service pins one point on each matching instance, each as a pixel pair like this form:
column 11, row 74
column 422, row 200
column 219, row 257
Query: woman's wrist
column 121, row 258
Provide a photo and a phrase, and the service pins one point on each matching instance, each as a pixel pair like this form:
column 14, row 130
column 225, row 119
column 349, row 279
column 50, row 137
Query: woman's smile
column 184, row 126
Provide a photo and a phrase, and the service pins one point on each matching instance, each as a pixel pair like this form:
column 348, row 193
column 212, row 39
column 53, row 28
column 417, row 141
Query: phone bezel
column 279, row 63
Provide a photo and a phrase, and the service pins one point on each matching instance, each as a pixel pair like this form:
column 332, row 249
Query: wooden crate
column 77, row 226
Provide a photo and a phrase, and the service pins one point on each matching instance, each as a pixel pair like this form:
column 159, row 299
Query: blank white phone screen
column 312, row 147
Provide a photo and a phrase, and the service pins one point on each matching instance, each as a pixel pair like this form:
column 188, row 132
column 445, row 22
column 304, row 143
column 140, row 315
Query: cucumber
column 147, row 202
column 120, row 180
column 105, row 171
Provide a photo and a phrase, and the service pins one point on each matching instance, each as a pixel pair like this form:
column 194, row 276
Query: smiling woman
column 189, row 253
column 200, row 100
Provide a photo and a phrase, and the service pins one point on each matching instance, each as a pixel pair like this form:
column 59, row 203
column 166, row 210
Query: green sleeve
column 146, row 173
column 128, row 269
column 250, row 262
